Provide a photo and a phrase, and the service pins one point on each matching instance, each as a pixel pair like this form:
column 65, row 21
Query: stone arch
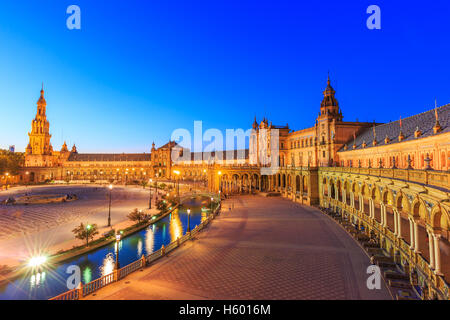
column 375, row 193
column 297, row 183
column 419, row 210
column 387, row 197
column 305, row 184
column 332, row 190
column 339, row 189
column 401, row 202
column 365, row 191
column 325, row 186
column 440, row 220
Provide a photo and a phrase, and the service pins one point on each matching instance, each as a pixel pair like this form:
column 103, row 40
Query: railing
column 97, row 284
column 430, row 177
column 69, row 295
column 130, row 268
column 440, row 285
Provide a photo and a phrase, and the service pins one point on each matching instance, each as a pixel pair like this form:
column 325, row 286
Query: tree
column 85, row 232
column 162, row 206
column 11, row 162
column 162, row 186
column 144, row 184
column 137, row 215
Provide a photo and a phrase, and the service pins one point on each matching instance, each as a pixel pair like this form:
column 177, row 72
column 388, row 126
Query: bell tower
column 39, row 137
column 326, row 125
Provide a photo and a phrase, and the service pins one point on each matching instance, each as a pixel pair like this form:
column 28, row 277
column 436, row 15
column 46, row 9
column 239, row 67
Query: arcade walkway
column 264, row 248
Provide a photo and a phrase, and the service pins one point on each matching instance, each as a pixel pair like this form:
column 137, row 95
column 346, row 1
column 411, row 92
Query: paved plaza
column 27, row 228
column 264, row 248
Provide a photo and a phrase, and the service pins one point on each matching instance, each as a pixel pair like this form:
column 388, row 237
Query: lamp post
column 212, row 199
column 178, row 184
column 156, row 188
column 118, row 236
column 88, row 228
column 6, row 180
column 189, row 220
column 109, row 210
column 150, row 200
column 220, row 181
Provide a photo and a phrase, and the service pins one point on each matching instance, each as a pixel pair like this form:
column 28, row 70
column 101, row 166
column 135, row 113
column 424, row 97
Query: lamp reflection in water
column 87, row 275
column 176, row 228
column 37, row 280
column 149, row 239
column 139, row 248
column 108, row 264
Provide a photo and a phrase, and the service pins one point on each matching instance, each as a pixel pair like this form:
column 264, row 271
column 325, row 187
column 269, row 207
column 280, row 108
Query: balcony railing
column 439, row 179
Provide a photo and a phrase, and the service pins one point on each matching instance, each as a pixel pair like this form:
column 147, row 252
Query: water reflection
column 108, row 264
column 139, row 248
column 101, row 261
column 149, row 238
column 176, row 229
column 37, row 280
column 87, row 275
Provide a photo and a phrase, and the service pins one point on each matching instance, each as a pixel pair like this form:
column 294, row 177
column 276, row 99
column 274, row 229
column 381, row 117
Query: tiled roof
column 226, row 155
column 109, row 157
column 424, row 121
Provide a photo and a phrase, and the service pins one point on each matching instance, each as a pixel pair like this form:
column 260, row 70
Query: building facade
column 391, row 178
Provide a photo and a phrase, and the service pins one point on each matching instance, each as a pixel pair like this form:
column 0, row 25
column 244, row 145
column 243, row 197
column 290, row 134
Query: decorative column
column 416, row 237
column 437, row 254
column 385, row 216
column 411, row 234
column 431, row 249
column 394, row 211
column 399, row 224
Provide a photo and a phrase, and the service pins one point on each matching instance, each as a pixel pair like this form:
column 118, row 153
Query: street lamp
column 178, row 184
column 88, row 227
column 212, row 199
column 220, row 181
column 189, row 220
column 109, row 210
column 118, row 236
column 150, row 200
column 6, row 180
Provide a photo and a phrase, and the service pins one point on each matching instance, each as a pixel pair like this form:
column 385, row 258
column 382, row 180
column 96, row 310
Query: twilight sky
column 137, row 70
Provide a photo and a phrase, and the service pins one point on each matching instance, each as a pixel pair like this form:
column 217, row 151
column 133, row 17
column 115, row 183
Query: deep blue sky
column 137, row 70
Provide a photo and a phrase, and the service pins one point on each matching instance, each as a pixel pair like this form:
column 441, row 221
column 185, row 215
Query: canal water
column 52, row 281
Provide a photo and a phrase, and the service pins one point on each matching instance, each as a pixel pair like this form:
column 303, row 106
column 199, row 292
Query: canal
column 52, row 281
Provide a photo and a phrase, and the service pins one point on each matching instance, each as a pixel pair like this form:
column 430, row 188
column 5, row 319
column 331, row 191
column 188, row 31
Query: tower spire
column 437, row 126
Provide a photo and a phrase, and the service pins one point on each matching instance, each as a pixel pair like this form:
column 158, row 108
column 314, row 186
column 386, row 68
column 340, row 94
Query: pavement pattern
column 26, row 229
column 263, row 248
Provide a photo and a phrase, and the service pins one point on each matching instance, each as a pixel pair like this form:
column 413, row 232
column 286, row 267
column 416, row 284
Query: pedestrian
column 372, row 259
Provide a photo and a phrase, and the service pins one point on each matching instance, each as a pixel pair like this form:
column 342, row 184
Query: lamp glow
column 37, row 261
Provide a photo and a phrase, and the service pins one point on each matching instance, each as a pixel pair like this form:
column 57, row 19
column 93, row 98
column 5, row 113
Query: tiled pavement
column 25, row 230
column 21, row 219
column 266, row 248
